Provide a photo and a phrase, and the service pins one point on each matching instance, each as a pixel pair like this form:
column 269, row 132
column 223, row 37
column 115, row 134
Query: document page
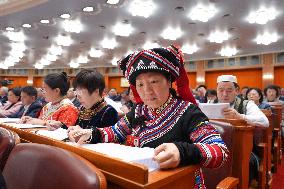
column 26, row 126
column 58, row 134
column 9, row 120
column 212, row 110
column 129, row 154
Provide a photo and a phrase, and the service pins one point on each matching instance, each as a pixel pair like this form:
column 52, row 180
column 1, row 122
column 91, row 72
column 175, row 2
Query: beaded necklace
column 87, row 114
column 160, row 109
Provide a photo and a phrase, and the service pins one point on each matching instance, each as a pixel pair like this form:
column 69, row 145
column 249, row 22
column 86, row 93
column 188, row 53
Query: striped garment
column 178, row 122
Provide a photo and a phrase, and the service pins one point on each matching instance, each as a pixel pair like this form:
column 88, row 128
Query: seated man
column 72, row 96
column 3, row 95
column 241, row 109
column 30, row 107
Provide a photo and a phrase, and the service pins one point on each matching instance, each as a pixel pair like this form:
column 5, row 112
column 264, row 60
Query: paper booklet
column 129, row 154
column 9, row 120
column 25, row 126
column 212, row 110
column 58, row 134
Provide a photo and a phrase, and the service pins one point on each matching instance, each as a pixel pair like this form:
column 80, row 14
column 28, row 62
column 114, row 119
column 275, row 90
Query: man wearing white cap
column 240, row 109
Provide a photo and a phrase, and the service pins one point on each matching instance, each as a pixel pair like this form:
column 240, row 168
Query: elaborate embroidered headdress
column 168, row 61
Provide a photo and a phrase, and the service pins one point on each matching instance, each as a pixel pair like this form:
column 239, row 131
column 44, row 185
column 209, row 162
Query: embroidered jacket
column 63, row 111
column 178, row 122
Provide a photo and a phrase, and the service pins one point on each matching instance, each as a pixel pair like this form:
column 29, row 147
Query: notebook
column 25, row 126
column 9, row 120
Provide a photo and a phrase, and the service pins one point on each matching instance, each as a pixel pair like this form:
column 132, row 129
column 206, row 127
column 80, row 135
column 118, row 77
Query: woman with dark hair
column 13, row 104
column 256, row 95
column 95, row 112
column 211, row 96
column 173, row 125
column 59, row 107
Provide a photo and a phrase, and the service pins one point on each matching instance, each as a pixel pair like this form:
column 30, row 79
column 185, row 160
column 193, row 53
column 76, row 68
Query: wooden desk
column 120, row 174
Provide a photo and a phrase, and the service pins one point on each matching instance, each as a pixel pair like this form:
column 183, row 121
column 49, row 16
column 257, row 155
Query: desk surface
column 120, row 174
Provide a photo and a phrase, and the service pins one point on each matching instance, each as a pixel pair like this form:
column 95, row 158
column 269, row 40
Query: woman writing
column 59, row 108
column 175, row 127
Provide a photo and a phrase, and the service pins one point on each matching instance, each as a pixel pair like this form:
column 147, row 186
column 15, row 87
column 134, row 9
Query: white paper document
column 213, row 111
column 126, row 153
column 9, row 120
column 58, row 134
column 26, row 126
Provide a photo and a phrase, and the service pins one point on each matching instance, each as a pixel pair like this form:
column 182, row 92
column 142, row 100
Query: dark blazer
column 3, row 99
column 33, row 111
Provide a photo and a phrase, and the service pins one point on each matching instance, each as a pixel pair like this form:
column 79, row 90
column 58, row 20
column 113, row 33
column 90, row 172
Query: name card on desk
column 58, row 134
column 130, row 154
column 213, row 111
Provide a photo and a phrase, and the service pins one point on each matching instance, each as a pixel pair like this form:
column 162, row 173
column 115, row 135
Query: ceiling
column 231, row 16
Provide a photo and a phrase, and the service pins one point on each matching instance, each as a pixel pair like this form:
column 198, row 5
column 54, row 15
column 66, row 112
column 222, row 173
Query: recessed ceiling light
column 95, row 53
column 202, row 13
column 65, row 16
column 16, row 36
column 142, row 8
column 88, row 9
column 218, row 37
column 73, row 26
column 150, row 45
column 44, row 21
column 122, row 29
column 109, row 43
column 114, row 61
column 172, row 33
column 63, row 40
column 228, row 51
column 189, row 49
column 112, row 2
column 267, row 38
column 74, row 64
column 262, row 15
column 26, row 25
column 10, row 29
column 38, row 66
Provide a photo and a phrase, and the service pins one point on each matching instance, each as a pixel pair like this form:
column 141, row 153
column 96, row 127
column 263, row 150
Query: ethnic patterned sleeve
column 207, row 148
column 116, row 133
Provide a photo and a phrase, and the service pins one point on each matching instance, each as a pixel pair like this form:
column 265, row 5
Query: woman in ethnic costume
column 59, row 107
column 173, row 125
column 94, row 112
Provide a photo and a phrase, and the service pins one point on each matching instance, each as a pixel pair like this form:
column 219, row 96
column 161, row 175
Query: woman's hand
column 167, row 155
column 79, row 135
column 24, row 119
column 53, row 125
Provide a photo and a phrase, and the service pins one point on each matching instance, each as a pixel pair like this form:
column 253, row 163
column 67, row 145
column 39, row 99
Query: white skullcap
column 228, row 78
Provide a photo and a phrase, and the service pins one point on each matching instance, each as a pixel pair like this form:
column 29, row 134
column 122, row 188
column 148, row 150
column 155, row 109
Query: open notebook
column 25, row 126
column 9, row 120
column 130, row 154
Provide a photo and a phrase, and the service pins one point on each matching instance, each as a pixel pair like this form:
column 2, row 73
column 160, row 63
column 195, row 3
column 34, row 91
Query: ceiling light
column 189, row 49
column 95, row 53
column 202, row 13
column 112, row 2
column 109, row 43
column 142, row 8
column 218, row 37
column 10, row 29
column 121, row 29
column 51, row 57
column 65, row 16
column 27, row 25
column 267, row 38
column 21, row 47
column 150, row 45
column 44, row 21
column 16, row 36
column 88, row 9
column 3, row 66
column 44, row 62
column 262, row 15
column 55, row 50
column 82, row 59
column 228, row 51
column 114, row 61
column 171, row 33
column 63, row 40
column 73, row 26
column 74, row 64
column 38, row 66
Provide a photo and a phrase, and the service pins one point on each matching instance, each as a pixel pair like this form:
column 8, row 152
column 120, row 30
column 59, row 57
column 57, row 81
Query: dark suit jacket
column 33, row 111
column 3, row 99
